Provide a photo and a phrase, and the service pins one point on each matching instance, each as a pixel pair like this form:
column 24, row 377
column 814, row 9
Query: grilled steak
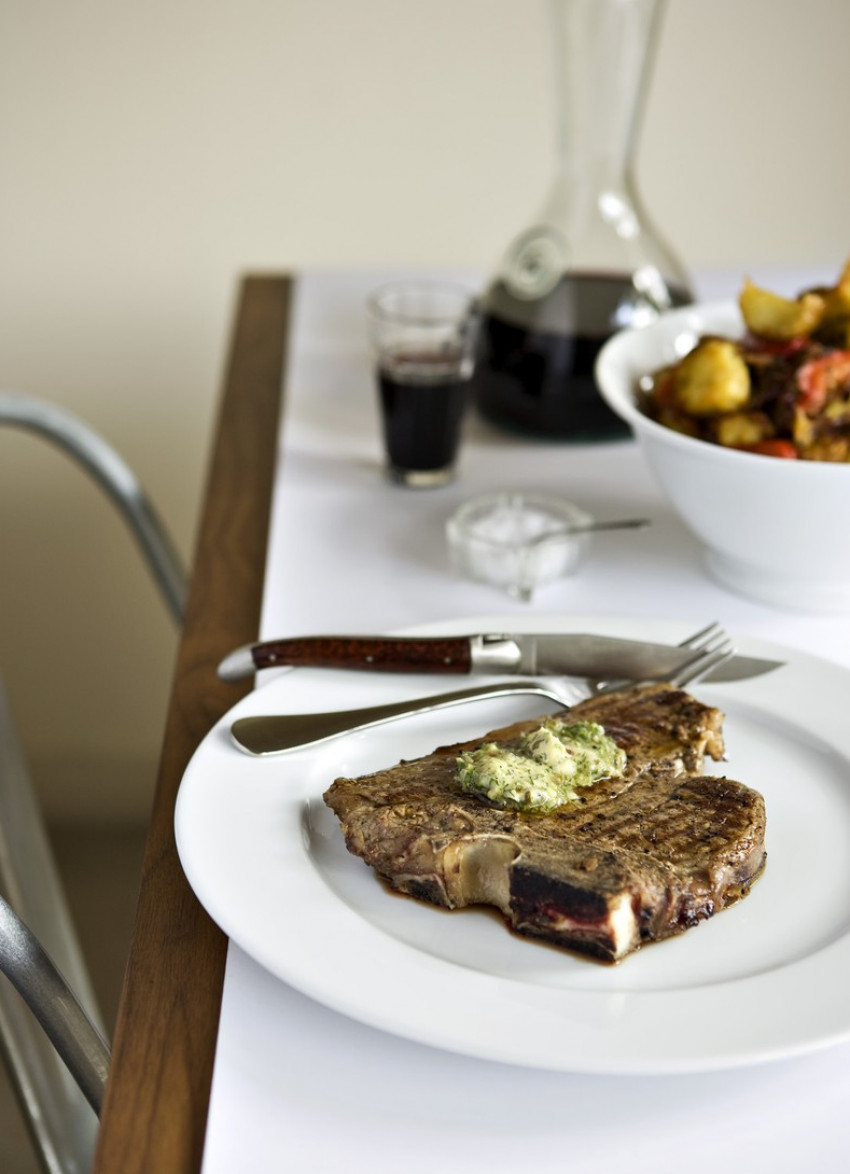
column 643, row 857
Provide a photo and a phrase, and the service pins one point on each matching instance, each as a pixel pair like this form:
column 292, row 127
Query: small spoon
column 587, row 528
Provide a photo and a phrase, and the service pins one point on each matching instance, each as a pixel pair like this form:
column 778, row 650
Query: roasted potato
column 739, row 429
column 712, row 378
column 772, row 316
column 836, row 301
column 834, row 327
column 835, row 331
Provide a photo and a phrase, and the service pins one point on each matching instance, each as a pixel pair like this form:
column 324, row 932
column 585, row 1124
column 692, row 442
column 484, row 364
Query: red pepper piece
column 663, row 392
column 773, row 448
column 817, row 378
column 780, row 348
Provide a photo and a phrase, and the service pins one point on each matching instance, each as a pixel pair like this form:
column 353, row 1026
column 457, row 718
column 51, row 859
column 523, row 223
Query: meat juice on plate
column 534, row 369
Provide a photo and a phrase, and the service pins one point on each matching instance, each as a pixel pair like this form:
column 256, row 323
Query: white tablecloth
column 299, row 1087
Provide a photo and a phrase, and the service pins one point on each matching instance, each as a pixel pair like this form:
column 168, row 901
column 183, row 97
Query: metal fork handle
column 278, row 733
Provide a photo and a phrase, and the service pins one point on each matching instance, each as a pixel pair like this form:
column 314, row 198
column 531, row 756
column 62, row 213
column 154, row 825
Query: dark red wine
column 534, row 369
column 423, row 399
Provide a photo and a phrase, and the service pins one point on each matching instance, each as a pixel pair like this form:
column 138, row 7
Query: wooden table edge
column 157, row 1097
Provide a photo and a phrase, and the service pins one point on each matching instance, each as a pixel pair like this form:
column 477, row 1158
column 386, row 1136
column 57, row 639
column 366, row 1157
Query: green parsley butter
column 543, row 769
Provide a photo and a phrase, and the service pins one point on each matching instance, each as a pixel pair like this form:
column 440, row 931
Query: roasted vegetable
column 819, row 378
column 741, row 429
column 783, row 390
column 772, row 316
column 712, row 378
column 834, row 328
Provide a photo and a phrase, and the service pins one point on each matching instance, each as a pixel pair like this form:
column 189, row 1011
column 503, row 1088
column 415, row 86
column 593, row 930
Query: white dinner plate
column 766, row 978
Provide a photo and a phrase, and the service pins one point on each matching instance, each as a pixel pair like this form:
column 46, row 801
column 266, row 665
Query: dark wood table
column 155, row 1112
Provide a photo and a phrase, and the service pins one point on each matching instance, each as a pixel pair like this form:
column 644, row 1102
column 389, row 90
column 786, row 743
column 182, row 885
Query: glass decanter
column 591, row 263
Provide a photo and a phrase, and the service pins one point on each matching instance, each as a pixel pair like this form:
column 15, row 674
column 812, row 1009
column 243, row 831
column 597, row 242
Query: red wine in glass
column 423, row 400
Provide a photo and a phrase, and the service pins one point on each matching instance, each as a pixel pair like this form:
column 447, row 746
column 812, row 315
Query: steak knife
column 573, row 655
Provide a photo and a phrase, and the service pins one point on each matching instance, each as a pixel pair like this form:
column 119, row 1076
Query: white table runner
column 299, row 1087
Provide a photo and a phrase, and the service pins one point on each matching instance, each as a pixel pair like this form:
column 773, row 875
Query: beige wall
column 151, row 152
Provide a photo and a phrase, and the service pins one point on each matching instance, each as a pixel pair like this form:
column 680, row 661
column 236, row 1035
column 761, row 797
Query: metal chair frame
column 50, row 1028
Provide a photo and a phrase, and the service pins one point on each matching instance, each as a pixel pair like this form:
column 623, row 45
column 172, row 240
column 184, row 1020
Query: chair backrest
column 50, row 1027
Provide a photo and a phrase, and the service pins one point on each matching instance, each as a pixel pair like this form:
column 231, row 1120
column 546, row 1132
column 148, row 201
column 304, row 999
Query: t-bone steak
column 642, row 858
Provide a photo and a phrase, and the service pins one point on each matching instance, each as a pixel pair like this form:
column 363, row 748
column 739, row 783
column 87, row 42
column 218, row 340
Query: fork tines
column 712, row 646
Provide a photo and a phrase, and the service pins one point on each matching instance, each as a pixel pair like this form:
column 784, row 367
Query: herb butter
column 544, row 769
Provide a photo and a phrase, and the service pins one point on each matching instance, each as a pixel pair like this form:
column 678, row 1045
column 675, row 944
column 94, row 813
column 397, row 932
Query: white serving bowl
column 775, row 530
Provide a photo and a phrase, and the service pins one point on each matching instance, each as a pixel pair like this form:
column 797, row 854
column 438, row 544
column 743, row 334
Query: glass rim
column 465, row 301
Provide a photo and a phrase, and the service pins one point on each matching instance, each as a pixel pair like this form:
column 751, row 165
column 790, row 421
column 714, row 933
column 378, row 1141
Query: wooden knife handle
column 373, row 653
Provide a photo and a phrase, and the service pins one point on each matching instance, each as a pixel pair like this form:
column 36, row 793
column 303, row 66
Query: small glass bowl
column 517, row 541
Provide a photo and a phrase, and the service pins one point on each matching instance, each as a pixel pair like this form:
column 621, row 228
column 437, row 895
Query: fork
column 710, row 642
column 278, row 733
